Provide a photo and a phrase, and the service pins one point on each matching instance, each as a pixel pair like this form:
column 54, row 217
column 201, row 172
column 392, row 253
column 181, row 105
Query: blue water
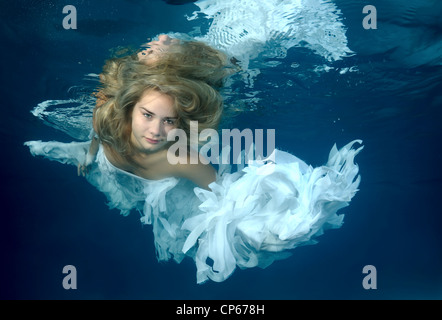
column 52, row 218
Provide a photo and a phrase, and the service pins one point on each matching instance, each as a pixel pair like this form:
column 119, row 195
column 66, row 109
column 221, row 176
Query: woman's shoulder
column 157, row 166
column 115, row 158
column 194, row 167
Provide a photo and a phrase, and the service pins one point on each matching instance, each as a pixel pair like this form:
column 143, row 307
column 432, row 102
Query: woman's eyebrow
column 148, row 111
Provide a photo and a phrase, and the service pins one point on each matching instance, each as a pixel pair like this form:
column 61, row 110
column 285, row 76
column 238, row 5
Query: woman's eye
column 170, row 122
column 147, row 115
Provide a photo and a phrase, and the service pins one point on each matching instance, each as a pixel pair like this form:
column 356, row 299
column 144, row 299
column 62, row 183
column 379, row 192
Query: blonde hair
column 186, row 59
column 194, row 100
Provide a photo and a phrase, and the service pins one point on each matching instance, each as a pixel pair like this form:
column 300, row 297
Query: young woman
column 222, row 220
column 166, row 56
column 133, row 126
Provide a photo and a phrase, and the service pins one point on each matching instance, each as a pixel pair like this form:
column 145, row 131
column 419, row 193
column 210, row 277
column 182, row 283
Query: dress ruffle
column 249, row 218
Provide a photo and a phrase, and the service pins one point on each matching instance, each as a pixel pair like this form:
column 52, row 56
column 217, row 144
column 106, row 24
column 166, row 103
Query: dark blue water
column 52, row 218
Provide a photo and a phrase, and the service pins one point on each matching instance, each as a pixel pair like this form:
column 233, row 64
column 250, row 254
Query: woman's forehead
column 157, row 102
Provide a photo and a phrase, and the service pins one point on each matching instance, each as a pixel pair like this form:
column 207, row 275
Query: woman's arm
column 201, row 174
column 83, row 169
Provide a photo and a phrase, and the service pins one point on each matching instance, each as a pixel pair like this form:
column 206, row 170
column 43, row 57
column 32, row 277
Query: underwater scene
column 348, row 92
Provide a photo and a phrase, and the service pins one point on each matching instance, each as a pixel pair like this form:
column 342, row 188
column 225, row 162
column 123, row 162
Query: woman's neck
column 152, row 166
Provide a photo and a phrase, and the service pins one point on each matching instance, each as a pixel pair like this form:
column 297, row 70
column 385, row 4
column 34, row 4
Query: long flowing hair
column 186, row 59
column 194, row 100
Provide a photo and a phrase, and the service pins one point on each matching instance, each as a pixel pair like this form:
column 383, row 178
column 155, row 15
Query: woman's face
column 152, row 118
column 155, row 48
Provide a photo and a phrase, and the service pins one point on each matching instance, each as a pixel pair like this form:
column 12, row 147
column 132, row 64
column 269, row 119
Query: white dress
column 255, row 215
column 249, row 218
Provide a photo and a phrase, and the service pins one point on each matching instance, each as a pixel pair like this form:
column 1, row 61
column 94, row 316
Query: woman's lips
column 152, row 141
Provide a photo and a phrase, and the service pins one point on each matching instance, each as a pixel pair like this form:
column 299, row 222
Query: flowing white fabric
column 248, row 28
column 249, row 218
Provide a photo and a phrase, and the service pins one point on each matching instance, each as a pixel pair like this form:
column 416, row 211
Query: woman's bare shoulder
column 193, row 168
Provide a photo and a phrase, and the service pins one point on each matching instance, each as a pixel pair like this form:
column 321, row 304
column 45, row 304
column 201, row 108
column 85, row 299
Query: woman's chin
column 151, row 148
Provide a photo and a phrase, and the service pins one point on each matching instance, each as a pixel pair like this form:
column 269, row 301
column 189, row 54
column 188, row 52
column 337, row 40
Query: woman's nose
column 156, row 128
